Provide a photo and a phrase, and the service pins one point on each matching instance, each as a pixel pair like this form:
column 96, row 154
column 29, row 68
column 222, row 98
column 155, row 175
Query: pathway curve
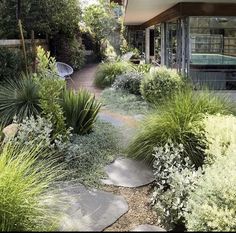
column 138, row 198
column 84, row 79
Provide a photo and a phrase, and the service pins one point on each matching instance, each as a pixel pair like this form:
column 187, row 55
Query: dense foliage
column 51, row 87
column 219, row 131
column 70, row 50
column 101, row 22
column 175, row 178
column 44, row 17
column 129, row 82
column 10, row 64
column 107, row 72
column 159, row 84
column 211, row 206
column 178, row 119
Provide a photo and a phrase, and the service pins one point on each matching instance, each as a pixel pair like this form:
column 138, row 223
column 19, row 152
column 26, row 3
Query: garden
column 186, row 136
column 148, row 120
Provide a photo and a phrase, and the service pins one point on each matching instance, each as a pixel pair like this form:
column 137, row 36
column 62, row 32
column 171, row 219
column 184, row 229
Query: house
column 198, row 38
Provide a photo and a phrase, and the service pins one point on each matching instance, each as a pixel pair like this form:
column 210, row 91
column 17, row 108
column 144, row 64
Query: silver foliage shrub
column 175, row 177
column 84, row 155
column 34, row 130
column 129, row 82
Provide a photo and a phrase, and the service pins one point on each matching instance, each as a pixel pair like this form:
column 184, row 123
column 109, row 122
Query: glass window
column 213, row 52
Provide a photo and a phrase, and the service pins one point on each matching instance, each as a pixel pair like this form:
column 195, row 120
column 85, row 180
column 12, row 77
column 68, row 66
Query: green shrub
column 175, row 178
column 143, row 68
column 50, row 90
column 107, row 72
column 80, row 110
column 220, row 134
column 70, row 51
column 129, row 82
column 51, row 87
column 10, row 64
column 160, row 84
column 123, row 102
column 19, row 98
column 179, row 120
column 45, row 63
column 24, row 183
column 212, row 206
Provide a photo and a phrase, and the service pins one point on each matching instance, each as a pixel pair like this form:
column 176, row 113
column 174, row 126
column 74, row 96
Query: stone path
column 84, row 79
column 87, row 210
column 125, row 172
column 123, row 205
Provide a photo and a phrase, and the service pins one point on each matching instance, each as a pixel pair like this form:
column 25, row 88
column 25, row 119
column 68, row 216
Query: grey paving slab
column 148, row 228
column 128, row 173
column 88, row 210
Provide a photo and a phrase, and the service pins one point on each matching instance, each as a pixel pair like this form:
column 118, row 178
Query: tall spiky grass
column 179, row 120
column 19, row 98
column 24, row 182
column 80, row 110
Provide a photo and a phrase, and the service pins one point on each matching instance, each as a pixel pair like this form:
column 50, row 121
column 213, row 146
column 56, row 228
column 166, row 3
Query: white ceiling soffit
column 140, row 11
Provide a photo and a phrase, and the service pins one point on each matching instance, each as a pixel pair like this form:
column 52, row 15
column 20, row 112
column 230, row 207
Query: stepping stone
column 114, row 121
column 148, row 228
column 88, row 210
column 128, row 173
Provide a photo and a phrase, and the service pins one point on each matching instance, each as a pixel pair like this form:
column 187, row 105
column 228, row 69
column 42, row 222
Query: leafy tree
column 44, row 17
column 100, row 21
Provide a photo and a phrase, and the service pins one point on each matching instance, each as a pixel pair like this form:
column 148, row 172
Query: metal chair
column 64, row 70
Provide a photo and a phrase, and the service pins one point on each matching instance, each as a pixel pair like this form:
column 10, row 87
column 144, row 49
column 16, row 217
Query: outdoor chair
column 127, row 56
column 64, row 70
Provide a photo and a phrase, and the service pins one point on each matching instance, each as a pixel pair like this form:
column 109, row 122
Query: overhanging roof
column 139, row 12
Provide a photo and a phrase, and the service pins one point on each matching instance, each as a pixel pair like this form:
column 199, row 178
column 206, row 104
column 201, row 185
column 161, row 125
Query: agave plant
column 19, row 98
column 80, row 110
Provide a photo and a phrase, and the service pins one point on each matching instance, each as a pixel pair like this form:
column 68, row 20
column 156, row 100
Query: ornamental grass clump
column 24, row 183
column 178, row 120
column 107, row 72
column 80, row 110
column 19, row 98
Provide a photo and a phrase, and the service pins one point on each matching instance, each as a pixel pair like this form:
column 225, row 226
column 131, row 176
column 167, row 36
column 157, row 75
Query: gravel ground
column 139, row 212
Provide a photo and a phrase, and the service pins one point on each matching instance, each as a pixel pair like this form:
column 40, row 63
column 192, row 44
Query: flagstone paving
column 88, row 209
column 125, row 199
column 128, row 173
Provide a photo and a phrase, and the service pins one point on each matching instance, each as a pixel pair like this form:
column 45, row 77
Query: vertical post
column 183, row 53
column 23, row 45
column 147, row 45
column 163, row 44
column 179, row 58
column 33, row 45
column 186, row 50
column 18, row 16
column 188, row 47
